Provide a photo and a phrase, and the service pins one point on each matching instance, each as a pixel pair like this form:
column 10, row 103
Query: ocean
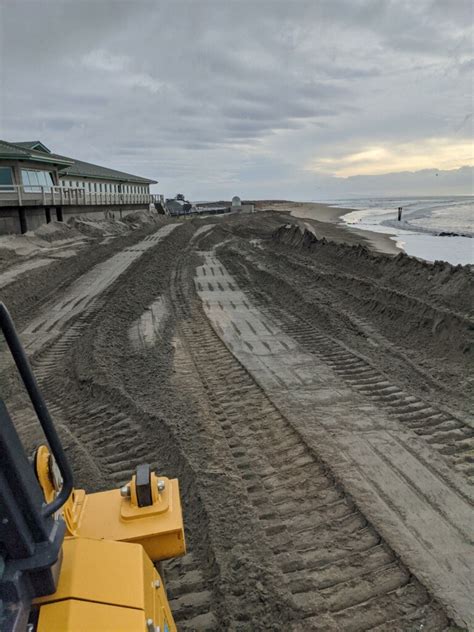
column 432, row 228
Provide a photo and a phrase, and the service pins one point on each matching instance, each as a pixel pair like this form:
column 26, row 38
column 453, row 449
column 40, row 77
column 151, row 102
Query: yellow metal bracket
column 107, row 580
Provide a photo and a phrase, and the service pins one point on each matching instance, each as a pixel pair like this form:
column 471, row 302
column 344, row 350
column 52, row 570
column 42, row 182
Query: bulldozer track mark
column 300, row 380
column 341, row 301
column 188, row 592
column 88, row 426
column 315, row 537
column 449, row 435
column 85, row 294
column 189, row 599
column 92, row 425
column 335, row 568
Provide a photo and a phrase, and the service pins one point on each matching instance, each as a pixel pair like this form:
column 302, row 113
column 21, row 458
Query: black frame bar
column 32, row 388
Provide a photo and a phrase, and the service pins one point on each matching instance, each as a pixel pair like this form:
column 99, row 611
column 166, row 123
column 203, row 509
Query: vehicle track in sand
column 104, row 441
column 339, row 571
column 410, row 482
column 411, row 319
column 449, row 434
column 328, row 567
column 107, row 432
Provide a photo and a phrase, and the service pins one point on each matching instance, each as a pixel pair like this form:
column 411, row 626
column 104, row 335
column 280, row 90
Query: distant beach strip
column 431, row 228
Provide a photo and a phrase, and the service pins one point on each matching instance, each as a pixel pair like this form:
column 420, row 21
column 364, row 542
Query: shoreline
column 326, row 221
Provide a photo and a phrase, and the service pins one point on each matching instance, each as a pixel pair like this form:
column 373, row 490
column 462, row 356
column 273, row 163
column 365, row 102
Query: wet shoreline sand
column 326, row 221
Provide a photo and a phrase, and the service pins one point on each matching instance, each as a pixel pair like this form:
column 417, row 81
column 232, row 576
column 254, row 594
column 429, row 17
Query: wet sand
column 326, row 222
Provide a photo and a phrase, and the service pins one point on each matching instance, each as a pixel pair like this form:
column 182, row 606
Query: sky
column 289, row 99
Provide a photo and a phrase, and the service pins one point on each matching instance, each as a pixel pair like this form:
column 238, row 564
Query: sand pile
column 44, row 239
column 53, row 231
column 419, row 298
column 142, row 218
column 443, row 281
column 100, row 228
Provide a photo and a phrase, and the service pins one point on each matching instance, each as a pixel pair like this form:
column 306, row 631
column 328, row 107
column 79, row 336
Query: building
column 37, row 186
column 178, row 206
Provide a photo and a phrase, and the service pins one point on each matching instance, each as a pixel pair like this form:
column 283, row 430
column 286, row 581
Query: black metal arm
column 24, row 368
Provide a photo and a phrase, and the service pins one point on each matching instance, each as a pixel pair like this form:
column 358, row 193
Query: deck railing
column 32, row 195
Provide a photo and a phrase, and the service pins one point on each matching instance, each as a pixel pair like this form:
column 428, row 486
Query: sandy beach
column 326, row 222
column 308, row 393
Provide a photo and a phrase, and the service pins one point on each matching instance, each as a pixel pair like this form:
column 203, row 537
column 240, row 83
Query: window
column 34, row 180
column 6, row 179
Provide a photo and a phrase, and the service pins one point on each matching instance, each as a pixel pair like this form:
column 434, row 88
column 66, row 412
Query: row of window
column 33, row 179
column 104, row 187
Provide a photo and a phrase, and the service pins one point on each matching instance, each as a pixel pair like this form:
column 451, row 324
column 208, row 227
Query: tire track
column 102, row 438
column 449, row 435
column 340, row 573
column 96, row 425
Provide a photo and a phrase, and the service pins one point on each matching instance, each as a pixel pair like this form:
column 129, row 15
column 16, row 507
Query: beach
column 430, row 228
column 327, row 222
column 307, row 385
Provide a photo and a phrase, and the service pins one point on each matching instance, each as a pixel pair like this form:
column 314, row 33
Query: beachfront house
column 37, row 186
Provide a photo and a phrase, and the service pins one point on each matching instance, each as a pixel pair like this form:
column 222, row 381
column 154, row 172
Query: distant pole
column 400, row 209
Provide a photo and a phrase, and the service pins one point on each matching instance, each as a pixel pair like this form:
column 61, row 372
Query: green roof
column 25, row 150
column 33, row 144
column 88, row 170
column 11, row 151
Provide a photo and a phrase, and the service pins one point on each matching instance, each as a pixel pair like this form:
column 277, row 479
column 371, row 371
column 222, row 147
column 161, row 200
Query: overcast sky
column 275, row 98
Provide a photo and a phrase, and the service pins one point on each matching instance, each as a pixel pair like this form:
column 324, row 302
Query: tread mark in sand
column 84, row 422
column 450, row 436
column 341, row 575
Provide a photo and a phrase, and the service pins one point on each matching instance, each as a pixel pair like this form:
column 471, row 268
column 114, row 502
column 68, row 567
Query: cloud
column 441, row 153
column 207, row 95
column 101, row 59
column 106, row 61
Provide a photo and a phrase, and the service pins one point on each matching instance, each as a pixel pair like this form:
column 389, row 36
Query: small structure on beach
column 238, row 205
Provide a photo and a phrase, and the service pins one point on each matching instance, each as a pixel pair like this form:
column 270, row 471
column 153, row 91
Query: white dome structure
column 236, row 202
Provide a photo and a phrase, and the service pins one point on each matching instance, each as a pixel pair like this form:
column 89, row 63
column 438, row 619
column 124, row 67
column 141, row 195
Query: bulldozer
column 72, row 561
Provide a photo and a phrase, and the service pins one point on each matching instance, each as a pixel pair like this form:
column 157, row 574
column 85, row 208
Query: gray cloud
column 210, row 97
